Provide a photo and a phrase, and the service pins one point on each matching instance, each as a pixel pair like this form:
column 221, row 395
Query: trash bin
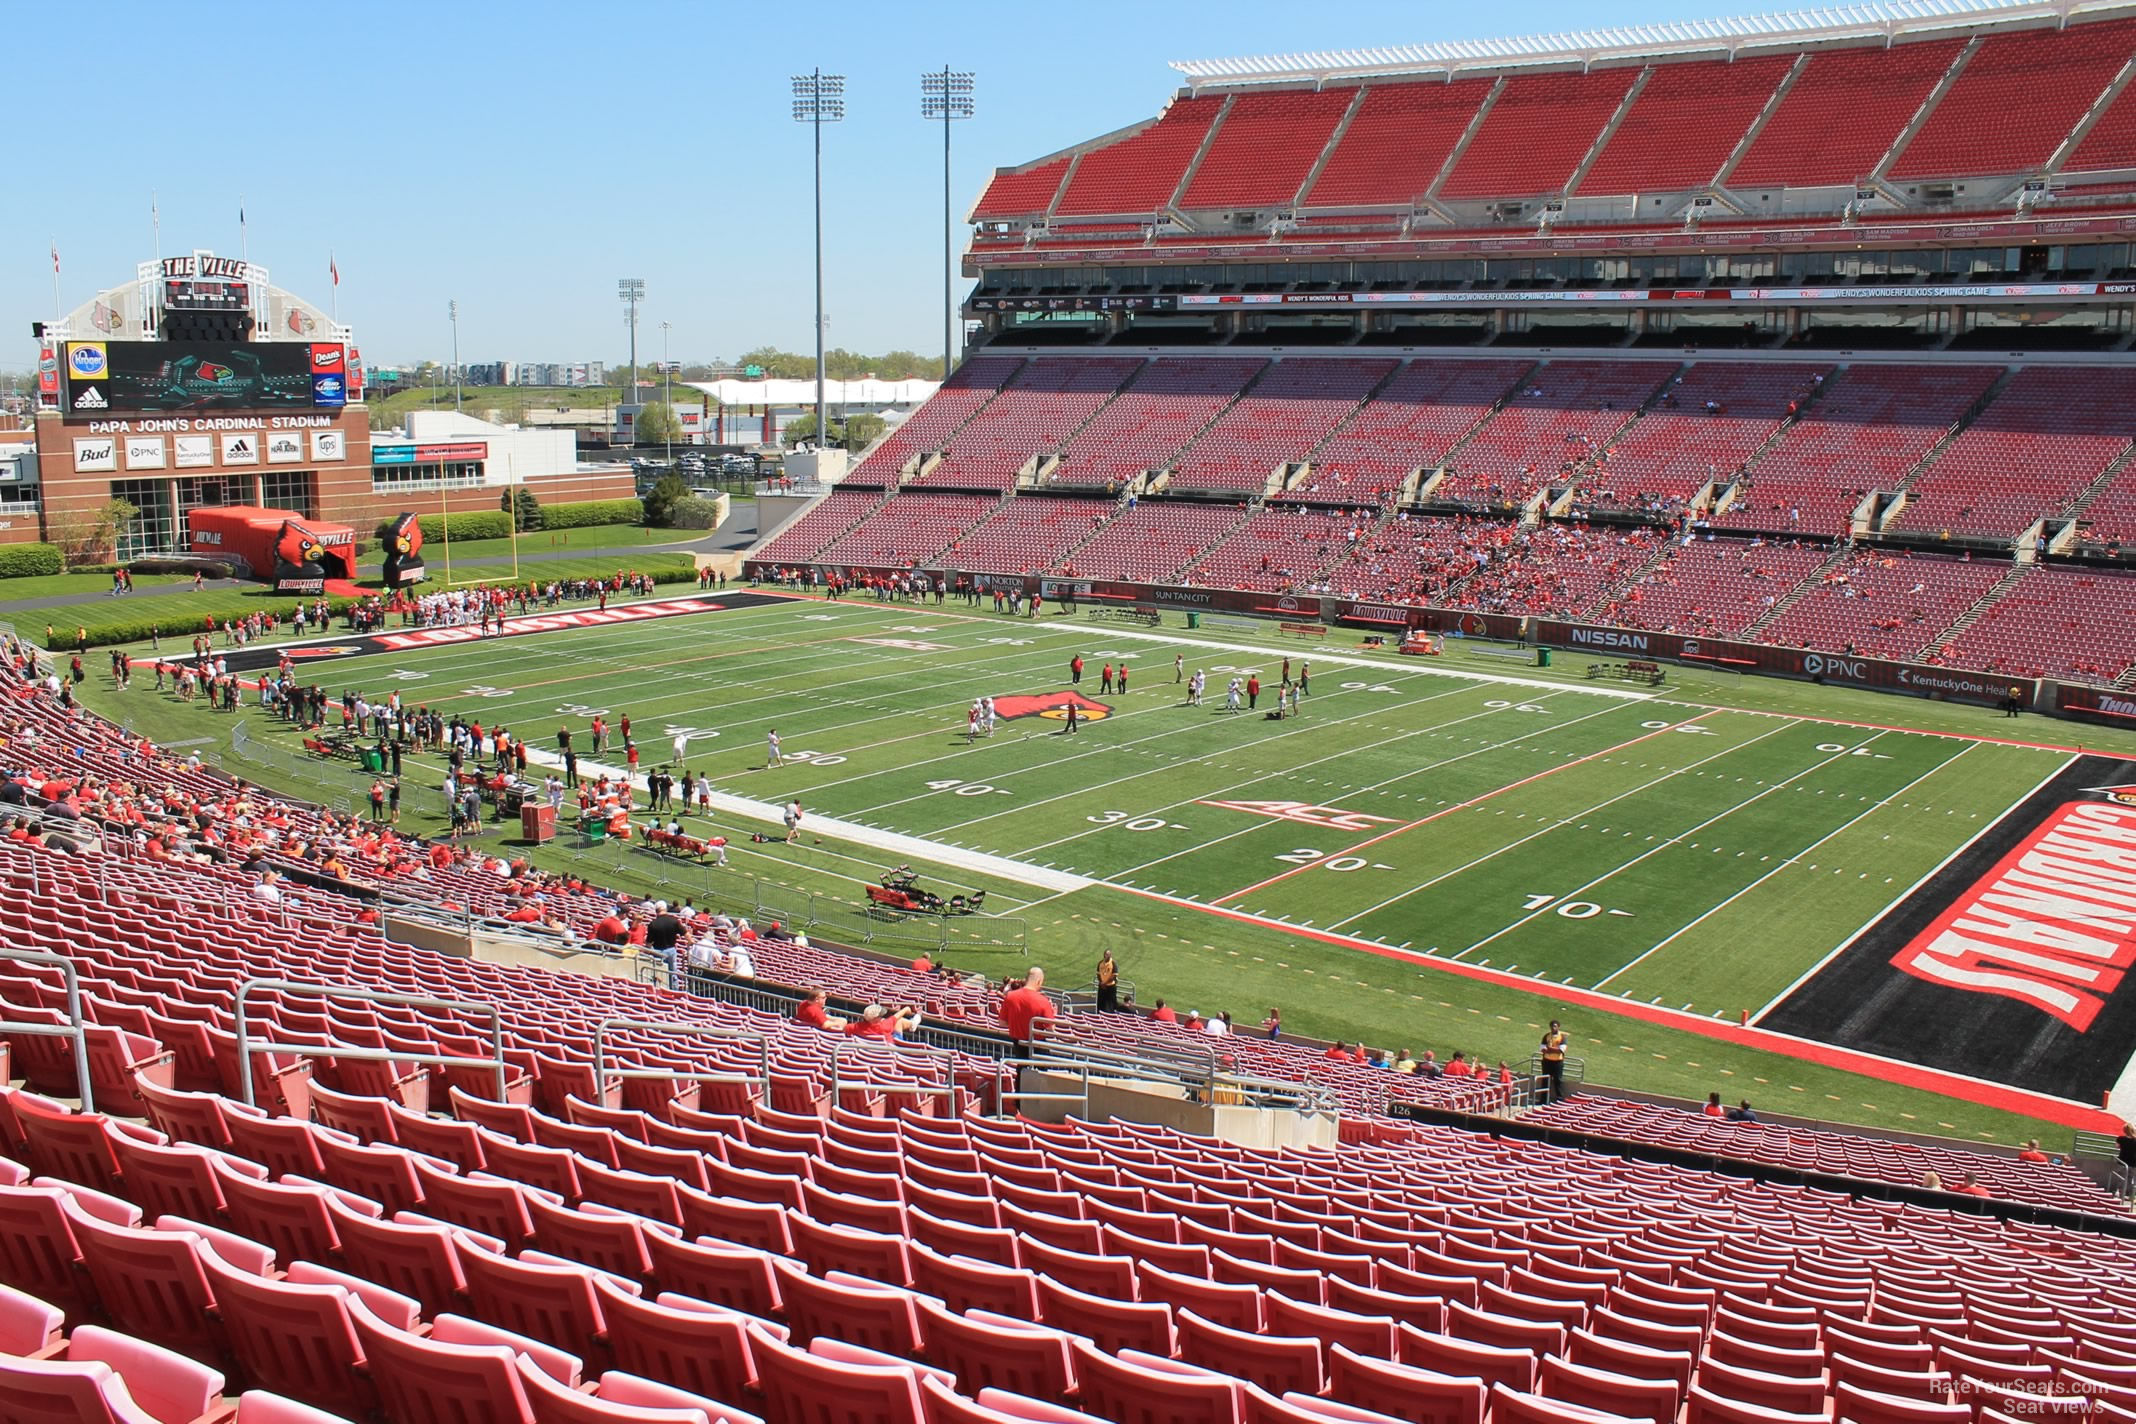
column 537, row 823
column 1542, row 657
column 372, row 761
column 595, row 829
column 1194, row 620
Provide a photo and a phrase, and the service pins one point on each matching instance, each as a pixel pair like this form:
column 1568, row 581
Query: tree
column 862, row 429
column 661, row 501
column 94, row 537
column 657, row 425
column 524, row 507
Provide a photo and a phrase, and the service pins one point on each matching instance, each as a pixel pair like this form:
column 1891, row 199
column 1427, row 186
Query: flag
column 333, row 269
column 55, row 259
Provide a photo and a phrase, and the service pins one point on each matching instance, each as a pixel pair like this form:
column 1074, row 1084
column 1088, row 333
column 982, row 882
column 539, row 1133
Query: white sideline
column 896, row 843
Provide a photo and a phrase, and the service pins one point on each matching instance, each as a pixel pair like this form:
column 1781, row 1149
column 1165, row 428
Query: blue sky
column 522, row 157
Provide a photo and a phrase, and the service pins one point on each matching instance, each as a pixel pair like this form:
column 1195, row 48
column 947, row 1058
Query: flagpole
column 334, row 268
column 244, row 240
column 55, row 281
column 511, row 477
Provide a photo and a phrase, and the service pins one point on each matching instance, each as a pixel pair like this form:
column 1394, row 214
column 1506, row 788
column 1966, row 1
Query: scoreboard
column 202, row 295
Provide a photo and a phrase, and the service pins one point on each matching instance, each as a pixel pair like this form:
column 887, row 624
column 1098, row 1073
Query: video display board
column 132, row 376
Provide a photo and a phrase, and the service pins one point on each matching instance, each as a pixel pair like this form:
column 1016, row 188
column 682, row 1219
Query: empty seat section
column 2039, row 444
column 1021, row 194
column 2016, row 100
column 821, row 525
column 1842, row 114
column 1538, row 130
column 1713, row 588
column 1883, row 603
column 1702, row 428
column 929, row 428
column 1140, row 173
column 1154, row 541
column 1867, row 430
column 1029, row 535
column 2055, row 622
column 1396, row 143
column 1289, row 411
column 1408, row 425
column 1041, row 406
column 1265, row 147
column 910, row 530
column 1684, row 124
column 1150, row 421
column 1281, row 546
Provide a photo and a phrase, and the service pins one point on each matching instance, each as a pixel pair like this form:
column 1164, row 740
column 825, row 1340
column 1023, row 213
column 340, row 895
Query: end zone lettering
column 2053, row 925
column 547, row 623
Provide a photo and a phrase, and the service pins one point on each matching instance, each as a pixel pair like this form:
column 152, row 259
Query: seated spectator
column 2032, row 1152
column 1403, row 1063
column 1713, row 1106
column 1741, row 1112
column 1971, row 1187
column 1338, row 1050
column 1164, row 1013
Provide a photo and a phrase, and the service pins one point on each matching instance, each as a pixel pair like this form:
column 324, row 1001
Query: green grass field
column 1697, row 848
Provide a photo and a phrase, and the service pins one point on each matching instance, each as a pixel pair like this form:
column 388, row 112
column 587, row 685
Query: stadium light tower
column 452, row 310
column 819, row 99
column 632, row 291
column 947, row 96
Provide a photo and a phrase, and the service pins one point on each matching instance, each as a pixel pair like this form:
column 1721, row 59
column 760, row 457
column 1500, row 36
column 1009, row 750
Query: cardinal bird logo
column 298, row 545
column 405, row 538
column 1051, row 704
column 2124, row 795
column 213, row 371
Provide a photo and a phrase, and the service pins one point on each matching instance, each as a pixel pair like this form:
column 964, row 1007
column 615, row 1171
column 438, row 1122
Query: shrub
column 489, row 524
column 179, row 564
column 693, row 513
column 29, row 560
column 588, row 513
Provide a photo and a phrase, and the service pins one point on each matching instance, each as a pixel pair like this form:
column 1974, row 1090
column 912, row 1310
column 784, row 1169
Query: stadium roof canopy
column 1886, row 19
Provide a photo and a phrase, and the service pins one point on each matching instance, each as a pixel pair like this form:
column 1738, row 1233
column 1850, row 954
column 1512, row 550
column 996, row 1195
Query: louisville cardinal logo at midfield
column 2124, row 794
column 1051, row 704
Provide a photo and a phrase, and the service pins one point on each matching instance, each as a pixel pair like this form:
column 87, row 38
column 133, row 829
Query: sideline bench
column 1634, row 670
column 1304, row 630
column 1146, row 617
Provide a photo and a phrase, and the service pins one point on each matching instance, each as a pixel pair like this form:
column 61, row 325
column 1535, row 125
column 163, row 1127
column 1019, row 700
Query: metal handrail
column 73, row 1028
column 245, row 1048
column 940, row 1056
column 601, row 1075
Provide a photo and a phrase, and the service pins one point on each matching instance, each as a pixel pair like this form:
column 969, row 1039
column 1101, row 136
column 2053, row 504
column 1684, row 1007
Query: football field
column 1699, row 848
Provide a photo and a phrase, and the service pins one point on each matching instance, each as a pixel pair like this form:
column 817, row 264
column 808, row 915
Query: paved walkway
column 738, row 533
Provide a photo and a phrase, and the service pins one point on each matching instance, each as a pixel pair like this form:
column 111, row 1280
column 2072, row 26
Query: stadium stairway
column 1967, row 619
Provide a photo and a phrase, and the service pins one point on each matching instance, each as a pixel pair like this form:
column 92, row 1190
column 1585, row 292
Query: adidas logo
column 91, row 399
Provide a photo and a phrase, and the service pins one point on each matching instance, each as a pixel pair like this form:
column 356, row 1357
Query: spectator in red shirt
column 1021, row 1008
column 812, row 1011
column 1163, row 1013
column 1458, row 1066
column 612, row 930
column 2032, row 1152
column 1340, row 1051
column 1713, row 1105
column 1971, row 1187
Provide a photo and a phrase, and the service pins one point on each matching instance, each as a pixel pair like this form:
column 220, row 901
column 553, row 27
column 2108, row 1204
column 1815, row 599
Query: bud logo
column 1053, row 704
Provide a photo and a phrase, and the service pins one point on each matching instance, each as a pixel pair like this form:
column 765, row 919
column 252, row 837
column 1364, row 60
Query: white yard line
column 1795, row 859
column 1664, row 844
column 1558, row 824
column 895, row 843
column 1878, row 918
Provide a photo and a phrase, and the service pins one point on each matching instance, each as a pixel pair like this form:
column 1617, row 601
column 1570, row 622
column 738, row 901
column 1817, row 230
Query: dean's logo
column 2124, row 795
column 1051, row 704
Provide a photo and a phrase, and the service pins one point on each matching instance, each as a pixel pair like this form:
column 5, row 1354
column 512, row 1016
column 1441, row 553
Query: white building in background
column 758, row 412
